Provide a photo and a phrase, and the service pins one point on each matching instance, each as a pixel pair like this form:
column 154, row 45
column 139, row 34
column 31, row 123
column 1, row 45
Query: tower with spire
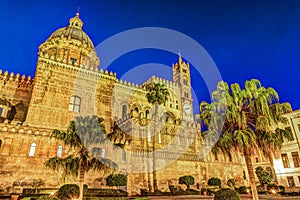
column 182, row 76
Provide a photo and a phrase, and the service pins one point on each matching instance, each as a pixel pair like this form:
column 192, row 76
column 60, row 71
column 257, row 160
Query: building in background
column 68, row 83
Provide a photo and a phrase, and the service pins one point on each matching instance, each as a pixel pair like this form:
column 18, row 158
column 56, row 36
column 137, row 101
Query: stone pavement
column 243, row 197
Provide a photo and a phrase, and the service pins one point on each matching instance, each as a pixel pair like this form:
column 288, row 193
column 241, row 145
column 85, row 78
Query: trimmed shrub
column 68, row 191
column 214, row 182
column 242, row 190
column 232, row 183
column 116, row 180
column 173, row 189
column 187, row 180
column 226, row 194
column 47, row 198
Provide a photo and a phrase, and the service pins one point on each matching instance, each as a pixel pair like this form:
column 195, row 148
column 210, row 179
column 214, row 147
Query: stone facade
column 68, row 83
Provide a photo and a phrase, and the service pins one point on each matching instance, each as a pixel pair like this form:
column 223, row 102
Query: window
column 0, row 143
column 244, row 175
column 1, row 110
column 159, row 138
column 291, row 181
column 147, row 114
column 75, row 104
column 216, row 157
column 149, row 136
column 124, row 111
column 103, row 153
column 185, row 82
column 256, row 159
column 123, row 155
column 32, row 149
column 285, row 160
column 59, row 151
column 230, row 157
column 295, row 157
column 73, row 60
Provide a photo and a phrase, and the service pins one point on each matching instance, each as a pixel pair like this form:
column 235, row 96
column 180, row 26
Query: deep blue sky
column 246, row 39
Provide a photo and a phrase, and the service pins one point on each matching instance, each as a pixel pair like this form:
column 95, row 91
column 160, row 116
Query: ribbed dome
column 73, row 31
column 70, row 45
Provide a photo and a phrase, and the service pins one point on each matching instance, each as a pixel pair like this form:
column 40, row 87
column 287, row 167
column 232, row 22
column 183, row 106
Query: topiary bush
column 68, row 191
column 232, row 183
column 47, row 198
column 116, row 180
column 242, row 190
column 226, row 194
column 214, row 182
column 187, row 180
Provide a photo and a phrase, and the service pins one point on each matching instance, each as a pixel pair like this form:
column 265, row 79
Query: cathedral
column 68, row 82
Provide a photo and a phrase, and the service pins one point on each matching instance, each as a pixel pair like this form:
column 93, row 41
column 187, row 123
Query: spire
column 179, row 58
column 76, row 21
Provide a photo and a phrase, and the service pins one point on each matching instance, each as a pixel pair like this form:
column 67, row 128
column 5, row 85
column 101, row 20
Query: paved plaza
column 243, row 197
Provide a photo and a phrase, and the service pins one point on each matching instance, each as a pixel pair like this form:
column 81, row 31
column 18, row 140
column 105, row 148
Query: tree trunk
column 81, row 182
column 274, row 176
column 251, row 176
column 148, row 165
column 153, row 153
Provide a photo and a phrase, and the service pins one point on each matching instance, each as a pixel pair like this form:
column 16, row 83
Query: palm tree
column 252, row 120
column 118, row 137
column 157, row 94
column 81, row 135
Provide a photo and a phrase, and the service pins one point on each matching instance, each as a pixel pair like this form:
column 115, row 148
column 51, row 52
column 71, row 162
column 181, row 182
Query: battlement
column 18, row 81
column 129, row 84
column 167, row 83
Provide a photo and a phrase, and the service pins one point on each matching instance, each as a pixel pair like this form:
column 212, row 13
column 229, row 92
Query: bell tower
column 182, row 76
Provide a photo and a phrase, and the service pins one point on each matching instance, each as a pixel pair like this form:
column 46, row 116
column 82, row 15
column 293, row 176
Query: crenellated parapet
column 24, row 130
column 167, row 83
column 15, row 81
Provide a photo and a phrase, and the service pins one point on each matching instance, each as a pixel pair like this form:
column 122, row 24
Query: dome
column 70, row 45
column 73, row 31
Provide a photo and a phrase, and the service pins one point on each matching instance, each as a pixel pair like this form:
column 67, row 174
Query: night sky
column 245, row 39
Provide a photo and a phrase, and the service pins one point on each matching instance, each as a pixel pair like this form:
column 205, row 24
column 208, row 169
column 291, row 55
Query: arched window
column 103, row 153
column 147, row 114
column 159, row 137
column 185, row 82
column 32, row 149
column 74, row 104
column 59, row 151
column 149, row 136
column 123, row 155
column 230, row 157
column 124, row 111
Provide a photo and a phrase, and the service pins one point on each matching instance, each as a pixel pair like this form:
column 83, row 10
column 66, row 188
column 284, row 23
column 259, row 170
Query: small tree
column 214, row 182
column 68, row 191
column 232, row 183
column 226, row 194
column 116, row 180
column 263, row 176
column 187, row 180
column 36, row 183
